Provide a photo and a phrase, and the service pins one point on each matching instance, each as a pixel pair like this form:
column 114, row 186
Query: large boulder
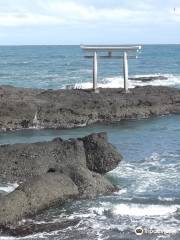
column 101, row 156
column 35, row 195
column 20, row 161
column 52, row 172
column 90, row 183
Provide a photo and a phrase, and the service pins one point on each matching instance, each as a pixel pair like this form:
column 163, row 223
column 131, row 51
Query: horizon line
column 21, row 45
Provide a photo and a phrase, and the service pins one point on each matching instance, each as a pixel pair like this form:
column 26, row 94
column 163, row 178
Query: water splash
column 118, row 81
column 36, row 123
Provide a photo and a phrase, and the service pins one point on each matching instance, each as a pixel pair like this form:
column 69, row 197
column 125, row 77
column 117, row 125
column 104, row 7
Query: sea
column 147, row 205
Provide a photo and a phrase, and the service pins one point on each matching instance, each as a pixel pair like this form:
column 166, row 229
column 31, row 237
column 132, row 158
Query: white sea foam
column 167, row 199
column 159, row 218
column 137, row 210
column 8, row 187
column 118, row 81
column 121, row 191
column 143, row 210
column 7, row 238
column 154, row 173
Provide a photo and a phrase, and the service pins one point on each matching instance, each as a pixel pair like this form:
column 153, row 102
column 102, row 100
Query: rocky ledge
column 52, row 172
column 39, row 108
column 148, row 78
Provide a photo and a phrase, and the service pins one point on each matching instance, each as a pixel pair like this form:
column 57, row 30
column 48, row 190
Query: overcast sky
column 89, row 21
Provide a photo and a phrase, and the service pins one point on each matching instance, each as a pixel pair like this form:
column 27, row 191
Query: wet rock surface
column 36, row 194
column 149, row 78
column 29, row 228
column 51, row 173
column 25, row 108
column 95, row 149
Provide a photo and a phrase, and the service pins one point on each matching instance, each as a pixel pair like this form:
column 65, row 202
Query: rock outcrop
column 148, row 78
column 51, row 172
column 31, row 228
column 39, row 108
column 35, row 195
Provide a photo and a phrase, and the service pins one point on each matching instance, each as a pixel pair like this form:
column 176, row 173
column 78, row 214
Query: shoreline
column 68, row 107
column 27, row 108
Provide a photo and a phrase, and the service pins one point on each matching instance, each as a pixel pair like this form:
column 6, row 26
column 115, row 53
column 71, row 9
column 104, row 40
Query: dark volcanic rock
column 29, row 228
column 148, row 79
column 23, row 108
column 90, row 183
column 52, row 172
column 35, row 195
column 99, row 155
column 20, row 161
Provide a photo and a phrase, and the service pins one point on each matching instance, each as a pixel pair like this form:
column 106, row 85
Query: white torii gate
column 110, row 49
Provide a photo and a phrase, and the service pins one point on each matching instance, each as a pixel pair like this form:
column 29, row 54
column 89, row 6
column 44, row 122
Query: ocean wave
column 143, row 210
column 167, row 199
column 126, row 217
column 152, row 177
column 7, row 238
column 137, row 210
column 8, row 187
column 118, row 81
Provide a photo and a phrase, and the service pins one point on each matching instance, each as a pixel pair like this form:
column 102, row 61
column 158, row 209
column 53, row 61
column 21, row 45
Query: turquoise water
column 149, row 175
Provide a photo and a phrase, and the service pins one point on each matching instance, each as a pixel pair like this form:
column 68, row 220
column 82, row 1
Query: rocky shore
column 51, row 173
column 26, row 108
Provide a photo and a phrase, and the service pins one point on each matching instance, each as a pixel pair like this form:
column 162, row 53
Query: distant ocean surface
column 148, row 176
column 58, row 66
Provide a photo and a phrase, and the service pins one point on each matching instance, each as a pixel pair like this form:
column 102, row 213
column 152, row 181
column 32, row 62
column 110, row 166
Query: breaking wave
column 7, row 188
column 118, row 81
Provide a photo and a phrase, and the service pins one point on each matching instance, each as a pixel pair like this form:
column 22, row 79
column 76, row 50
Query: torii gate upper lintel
column 109, row 49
